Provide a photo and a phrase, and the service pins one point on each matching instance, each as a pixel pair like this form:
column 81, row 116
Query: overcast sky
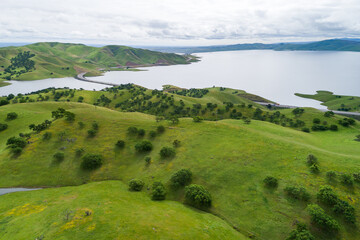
column 177, row 22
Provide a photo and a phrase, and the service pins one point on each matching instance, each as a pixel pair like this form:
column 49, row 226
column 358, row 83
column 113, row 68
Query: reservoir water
column 275, row 75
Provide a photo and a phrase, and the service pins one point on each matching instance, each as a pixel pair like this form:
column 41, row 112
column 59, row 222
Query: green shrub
column 298, row 193
column 347, row 179
column 59, row 156
column 356, row 177
column 47, row 136
column 176, row 143
column 300, row 233
column 148, row 160
column 141, row 132
column 79, row 152
column 197, row 196
column 132, row 131
column 197, row 119
column 158, row 191
column 136, row 185
column 311, row 159
column 152, row 134
column 331, row 175
column 120, row 144
column 327, row 196
column 91, row 161
column 181, row 178
column 305, row 129
column 320, row 218
column 95, row 126
column 333, row 127
column 16, row 150
column 11, row 116
column 3, row 126
column 92, row 133
column 167, row 152
column 69, row 116
column 81, row 125
column 345, row 209
column 270, row 182
column 316, row 120
column 329, row 114
column 144, row 146
column 14, row 142
column 160, row 129
column 314, row 168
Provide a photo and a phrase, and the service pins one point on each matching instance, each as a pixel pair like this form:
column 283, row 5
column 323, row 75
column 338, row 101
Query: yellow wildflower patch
column 79, row 218
column 26, row 209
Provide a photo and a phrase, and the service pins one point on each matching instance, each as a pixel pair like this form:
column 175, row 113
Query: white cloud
column 177, row 22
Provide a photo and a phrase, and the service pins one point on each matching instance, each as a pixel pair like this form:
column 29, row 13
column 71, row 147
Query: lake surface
column 275, row 75
column 10, row 190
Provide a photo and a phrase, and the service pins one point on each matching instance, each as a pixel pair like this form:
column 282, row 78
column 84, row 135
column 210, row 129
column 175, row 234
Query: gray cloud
column 177, row 22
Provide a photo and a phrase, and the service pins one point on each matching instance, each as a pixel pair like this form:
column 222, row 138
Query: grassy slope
column 132, row 215
column 56, row 57
column 228, row 157
column 334, row 102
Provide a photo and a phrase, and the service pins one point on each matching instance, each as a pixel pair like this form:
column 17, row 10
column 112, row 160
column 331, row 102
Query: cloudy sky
column 177, row 22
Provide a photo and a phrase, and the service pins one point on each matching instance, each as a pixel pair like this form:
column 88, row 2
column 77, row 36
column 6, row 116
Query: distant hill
column 53, row 59
column 326, row 45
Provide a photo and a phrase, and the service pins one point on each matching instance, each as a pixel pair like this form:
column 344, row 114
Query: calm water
column 270, row 74
column 10, row 190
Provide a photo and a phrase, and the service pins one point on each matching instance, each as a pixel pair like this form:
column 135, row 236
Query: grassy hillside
column 115, row 213
column 228, row 157
column 54, row 60
column 335, row 102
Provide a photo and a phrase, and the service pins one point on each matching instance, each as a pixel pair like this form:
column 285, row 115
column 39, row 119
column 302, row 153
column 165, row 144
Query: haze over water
column 271, row 74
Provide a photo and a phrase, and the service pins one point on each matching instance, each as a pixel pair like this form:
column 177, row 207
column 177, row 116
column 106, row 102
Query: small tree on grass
column 81, row 125
column 141, row 132
column 167, row 152
column 181, row 178
column 59, row 156
column 91, row 161
column 311, row 159
column 132, row 131
column 3, row 126
column 148, row 160
column 321, row 219
column 69, row 116
column 197, row 196
column 298, row 193
column 160, row 129
column 176, row 143
column 11, row 116
column 347, row 179
column 136, row 185
column 300, row 233
column 158, row 191
column 152, row 134
column 95, row 126
column 79, row 152
column 46, row 136
column 144, row 146
column 331, row 175
column 357, row 138
column 92, row 133
column 120, row 144
column 314, row 168
column 270, row 182
column 197, row 119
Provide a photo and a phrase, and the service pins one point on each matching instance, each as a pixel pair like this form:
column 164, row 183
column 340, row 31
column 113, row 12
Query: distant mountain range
column 326, row 45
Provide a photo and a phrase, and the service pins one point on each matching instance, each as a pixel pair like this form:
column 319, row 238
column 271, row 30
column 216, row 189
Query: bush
column 347, row 179
column 305, row 129
column 91, row 161
column 16, row 150
column 329, row 114
column 298, row 193
column 345, row 209
column 270, row 182
column 152, row 134
column 148, row 160
column 11, row 116
column 331, row 175
column 132, row 131
column 176, row 143
column 47, row 136
column 320, row 218
column 160, row 129
column 197, row 196
column 59, row 156
column 79, row 152
column 144, row 146
column 81, row 125
column 327, row 196
column 92, row 133
column 69, row 116
column 136, row 185
column 167, row 152
column 197, row 119
column 316, row 120
column 14, row 142
column 95, row 126
column 314, row 168
column 356, row 177
column 333, row 127
column 141, row 132
column 120, row 144
column 3, row 126
column 311, row 159
column 300, row 233
column 158, row 191
column 181, row 178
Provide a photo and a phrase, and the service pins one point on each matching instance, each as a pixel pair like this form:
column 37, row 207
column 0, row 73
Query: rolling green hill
column 229, row 157
column 335, row 102
column 54, row 60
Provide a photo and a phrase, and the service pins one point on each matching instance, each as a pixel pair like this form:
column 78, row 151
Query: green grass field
column 228, row 157
column 335, row 102
column 115, row 213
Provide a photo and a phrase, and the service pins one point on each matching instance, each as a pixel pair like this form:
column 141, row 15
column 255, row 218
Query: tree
column 167, row 152
column 59, row 156
column 158, row 191
column 3, row 126
column 298, row 112
column 47, row 136
column 331, row 175
column 132, row 130
column 69, row 116
column 298, row 193
column 320, row 218
column 176, row 143
column 11, row 116
column 329, row 114
column 152, row 134
column 148, row 160
column 141, row 132
column 160, row 129
column 181, row 178
column 144, row 146
column 314, row 168
column 316, row 120
column 347, row 179
column 270, row 182
column 92, row 133
column 136, row 185
column 174, row 120
column 91, row 161
column 197, row 196
column 197, row 119
column 300, row 233
column 120, row 144
column 311, row 159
